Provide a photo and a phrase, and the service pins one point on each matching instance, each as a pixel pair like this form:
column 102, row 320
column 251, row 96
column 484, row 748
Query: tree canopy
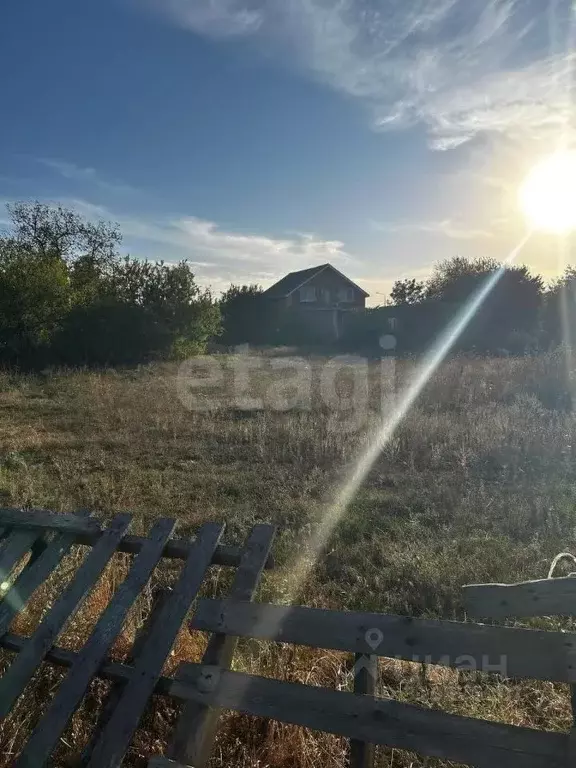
column 69, row 296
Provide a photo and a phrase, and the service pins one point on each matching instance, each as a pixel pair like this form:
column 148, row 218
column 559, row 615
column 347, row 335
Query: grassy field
column 478, row 483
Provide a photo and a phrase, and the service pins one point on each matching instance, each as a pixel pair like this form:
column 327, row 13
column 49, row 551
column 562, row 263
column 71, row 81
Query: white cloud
column 460, row 67
column 74, row 172
column 218, row 18
column 454, row 230
column 222, row 256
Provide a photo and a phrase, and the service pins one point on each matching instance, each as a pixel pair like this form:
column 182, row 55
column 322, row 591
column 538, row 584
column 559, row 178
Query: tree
column 58, row 232
column 559, row 310
column 144, row 311
column 244, row 315
column 36, row 297
column 408, row 291
column 457, row 278
column 508, row 317
column 68, row 296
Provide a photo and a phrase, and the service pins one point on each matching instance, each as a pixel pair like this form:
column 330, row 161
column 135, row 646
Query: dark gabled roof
column 293, row 280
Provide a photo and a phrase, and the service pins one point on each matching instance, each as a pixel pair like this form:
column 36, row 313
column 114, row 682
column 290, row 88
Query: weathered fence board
column 49, row 729
column 31, row 578
column 41, row 518
column 511, row 651
column 115, row 692
column 204, row 689
column 379, row 721
column 545, row 597
column 14, row 548
column 196, row 727
column 178, row 549
column 365, row 671
column 116, row 736
column 115, row 671
column 22, row 669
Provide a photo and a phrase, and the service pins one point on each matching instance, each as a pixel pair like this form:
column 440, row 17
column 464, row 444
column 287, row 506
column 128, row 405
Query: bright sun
column 548, row 194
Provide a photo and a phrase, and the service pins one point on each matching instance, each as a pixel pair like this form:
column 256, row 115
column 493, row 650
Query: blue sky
column 255, row 137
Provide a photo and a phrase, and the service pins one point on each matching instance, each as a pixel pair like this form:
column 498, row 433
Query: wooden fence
column 204, row 689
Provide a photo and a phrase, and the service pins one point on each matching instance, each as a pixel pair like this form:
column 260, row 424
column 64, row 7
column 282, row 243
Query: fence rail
column 380, row 721
column 537, row 654
column 544, row 597
column 40, row 540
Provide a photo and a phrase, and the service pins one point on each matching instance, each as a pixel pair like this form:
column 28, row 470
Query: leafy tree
column 508, row 317
column 36, row 297
column 244, row 315
column 145, row 311
column 408, row 291
column 67, row 296
column 57, row 232
column 457, row 278
column 559, row 310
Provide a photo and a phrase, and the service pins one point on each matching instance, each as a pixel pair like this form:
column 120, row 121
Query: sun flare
column 548, row 194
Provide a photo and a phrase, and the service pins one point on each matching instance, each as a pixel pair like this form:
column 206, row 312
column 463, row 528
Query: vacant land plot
column 478, row 483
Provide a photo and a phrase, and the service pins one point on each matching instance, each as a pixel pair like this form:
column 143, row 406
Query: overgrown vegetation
column 479, row 483
column 68, row 297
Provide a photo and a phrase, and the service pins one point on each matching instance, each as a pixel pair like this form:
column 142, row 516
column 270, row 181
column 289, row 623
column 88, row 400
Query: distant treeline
column 519, row 315
column 67, row 297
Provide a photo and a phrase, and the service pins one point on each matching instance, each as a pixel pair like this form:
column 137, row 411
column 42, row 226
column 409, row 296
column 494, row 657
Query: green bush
column 69, row 298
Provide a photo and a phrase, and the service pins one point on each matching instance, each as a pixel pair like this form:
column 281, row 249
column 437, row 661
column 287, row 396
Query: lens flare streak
column 390, row 423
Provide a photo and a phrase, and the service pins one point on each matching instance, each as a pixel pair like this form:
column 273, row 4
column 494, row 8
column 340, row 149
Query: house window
column 307, row 293
column 346, row 294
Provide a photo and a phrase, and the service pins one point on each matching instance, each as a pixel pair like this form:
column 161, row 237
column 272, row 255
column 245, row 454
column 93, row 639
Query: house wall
column 327, row 285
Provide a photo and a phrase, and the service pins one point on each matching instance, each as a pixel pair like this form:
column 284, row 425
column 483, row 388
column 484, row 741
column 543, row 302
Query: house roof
column 294, row 280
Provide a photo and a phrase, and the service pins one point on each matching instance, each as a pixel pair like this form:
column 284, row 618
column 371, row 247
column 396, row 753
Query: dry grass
column 479, row 483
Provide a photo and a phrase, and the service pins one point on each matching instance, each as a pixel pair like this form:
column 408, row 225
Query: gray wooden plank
column 118, row 733
column 14, row 548
column 380, row 721
column 362, row 753
column 50, row 728
column 158, row 761
column 42, row 518
column 23, row 667
column 31, row 578
column 544, row 597
column 196, row 727
column 114, row 671
column 113, row 697
column 178, row 549
column 509, row 651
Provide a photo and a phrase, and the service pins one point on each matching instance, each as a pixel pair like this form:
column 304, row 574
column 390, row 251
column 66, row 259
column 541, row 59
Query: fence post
column 196, row 728
column 365, row 676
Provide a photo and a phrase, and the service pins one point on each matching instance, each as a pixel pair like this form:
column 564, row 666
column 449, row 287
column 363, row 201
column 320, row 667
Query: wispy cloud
column 460, row 67
column 78, row 173
column 454, row 230
column 219, row 18
column 222, row 255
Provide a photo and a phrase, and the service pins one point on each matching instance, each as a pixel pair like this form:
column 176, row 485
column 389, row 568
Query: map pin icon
column 373, row 638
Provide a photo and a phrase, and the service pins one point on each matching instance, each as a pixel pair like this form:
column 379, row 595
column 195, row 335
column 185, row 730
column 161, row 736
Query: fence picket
column 196, row 727
column 49, row 729
column 116, row 736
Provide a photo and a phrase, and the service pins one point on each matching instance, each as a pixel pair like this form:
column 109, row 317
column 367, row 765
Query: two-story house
column 321, row 295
